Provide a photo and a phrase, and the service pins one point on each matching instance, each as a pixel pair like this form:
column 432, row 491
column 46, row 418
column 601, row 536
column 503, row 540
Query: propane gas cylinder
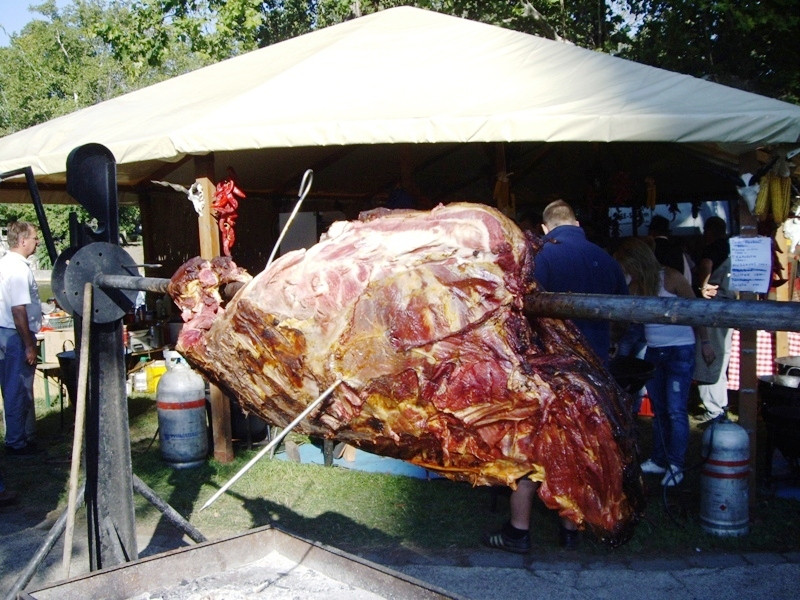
column 724, row 481
column 182, row 421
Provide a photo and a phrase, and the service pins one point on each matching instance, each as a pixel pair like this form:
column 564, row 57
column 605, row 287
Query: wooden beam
column 209, row 248
column 748, row 347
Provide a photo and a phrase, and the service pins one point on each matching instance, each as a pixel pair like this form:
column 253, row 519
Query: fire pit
column 266, row 563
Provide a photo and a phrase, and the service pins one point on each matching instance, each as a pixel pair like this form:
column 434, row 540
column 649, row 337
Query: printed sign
column 751, row 264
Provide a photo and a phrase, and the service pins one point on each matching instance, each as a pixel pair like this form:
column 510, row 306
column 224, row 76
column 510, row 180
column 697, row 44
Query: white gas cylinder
column 182, row 420
column 724, row 480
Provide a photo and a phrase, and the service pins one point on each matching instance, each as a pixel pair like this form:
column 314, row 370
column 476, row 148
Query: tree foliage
column 51, row 69
column 752, row 45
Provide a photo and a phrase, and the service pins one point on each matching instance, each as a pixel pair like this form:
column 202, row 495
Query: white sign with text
column 751, row 264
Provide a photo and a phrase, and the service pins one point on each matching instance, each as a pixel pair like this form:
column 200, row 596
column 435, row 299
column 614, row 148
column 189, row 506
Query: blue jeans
column 669, row 396
column 16, row 383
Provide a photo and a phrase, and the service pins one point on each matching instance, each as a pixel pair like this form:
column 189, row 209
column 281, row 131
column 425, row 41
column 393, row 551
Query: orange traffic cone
column 645, row 410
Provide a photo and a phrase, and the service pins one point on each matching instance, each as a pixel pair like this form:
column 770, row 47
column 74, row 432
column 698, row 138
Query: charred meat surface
column 421, row 315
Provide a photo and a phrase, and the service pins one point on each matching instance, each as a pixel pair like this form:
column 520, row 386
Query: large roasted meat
column 420, row 314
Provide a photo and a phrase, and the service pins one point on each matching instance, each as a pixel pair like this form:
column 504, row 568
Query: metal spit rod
column 768, row 315
column 131, row 282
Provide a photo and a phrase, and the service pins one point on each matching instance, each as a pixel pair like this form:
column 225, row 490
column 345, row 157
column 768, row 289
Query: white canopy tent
column 399, row 76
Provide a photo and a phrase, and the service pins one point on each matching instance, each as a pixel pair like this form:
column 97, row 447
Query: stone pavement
column 493, row 574
column 479, row 573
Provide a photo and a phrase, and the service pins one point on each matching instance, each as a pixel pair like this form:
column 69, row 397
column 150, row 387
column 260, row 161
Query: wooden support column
column 503, row 198
column 748, row 347
column 209, row 230
column 784, row 292
column 209, row 248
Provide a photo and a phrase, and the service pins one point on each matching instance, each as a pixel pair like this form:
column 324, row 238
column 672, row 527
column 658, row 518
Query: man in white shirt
column 20, row 321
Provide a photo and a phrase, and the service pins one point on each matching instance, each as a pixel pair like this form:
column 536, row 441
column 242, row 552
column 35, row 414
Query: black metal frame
column 91, row 180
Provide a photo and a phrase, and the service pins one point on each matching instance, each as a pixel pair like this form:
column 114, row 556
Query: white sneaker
column 652, row 467
column 672, row 477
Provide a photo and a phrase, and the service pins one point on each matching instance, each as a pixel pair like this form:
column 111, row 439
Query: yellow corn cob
column 774, row 196
column 762, row 199
column 786, row 191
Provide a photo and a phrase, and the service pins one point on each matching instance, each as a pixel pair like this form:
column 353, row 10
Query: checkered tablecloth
column 765, row 360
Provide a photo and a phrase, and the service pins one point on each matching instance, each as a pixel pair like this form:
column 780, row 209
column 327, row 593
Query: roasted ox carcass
column 421, row 316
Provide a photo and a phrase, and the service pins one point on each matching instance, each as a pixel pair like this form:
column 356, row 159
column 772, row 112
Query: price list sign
column 751, row 264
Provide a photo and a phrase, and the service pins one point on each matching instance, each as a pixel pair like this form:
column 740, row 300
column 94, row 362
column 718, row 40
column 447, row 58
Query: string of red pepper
column 224, row 208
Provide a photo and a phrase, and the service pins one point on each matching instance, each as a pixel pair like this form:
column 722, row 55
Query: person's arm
column 702, row 275
column 676, row 283
column 20, row 315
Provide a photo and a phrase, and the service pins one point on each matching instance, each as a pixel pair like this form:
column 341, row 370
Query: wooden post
column 502, row 186
column 748, row 346
column 784, row 292
column 209, row 248
column 209, row 230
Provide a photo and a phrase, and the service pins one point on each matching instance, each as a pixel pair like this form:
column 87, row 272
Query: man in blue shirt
column 567, row 262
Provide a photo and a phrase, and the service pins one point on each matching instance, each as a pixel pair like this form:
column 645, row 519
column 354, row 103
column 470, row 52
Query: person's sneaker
column 501, row 541
column 8, row 498
column 672, row 477
column 653, row 468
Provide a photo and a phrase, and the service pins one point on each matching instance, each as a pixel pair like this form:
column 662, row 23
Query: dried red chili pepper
column 224, row 208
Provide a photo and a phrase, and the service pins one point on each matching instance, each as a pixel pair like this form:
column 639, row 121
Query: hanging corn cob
column 781, row 191
column 763, row 197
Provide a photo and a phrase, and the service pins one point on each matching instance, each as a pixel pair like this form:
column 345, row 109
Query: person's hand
column 708, row 352
column 31, row 356
column 709, row 291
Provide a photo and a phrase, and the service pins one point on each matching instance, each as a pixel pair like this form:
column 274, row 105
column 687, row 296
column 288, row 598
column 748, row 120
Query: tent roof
column 403, row 75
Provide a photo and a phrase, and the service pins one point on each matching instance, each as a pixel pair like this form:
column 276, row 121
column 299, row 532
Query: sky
column 14, row 15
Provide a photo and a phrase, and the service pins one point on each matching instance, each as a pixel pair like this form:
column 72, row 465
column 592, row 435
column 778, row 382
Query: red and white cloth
column 765, row 358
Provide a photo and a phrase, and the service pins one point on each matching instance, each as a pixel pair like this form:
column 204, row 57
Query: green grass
column 357, row 511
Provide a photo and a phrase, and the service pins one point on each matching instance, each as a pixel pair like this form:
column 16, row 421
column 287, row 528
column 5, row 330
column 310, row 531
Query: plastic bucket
column 154, row 372
column 68, row 364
